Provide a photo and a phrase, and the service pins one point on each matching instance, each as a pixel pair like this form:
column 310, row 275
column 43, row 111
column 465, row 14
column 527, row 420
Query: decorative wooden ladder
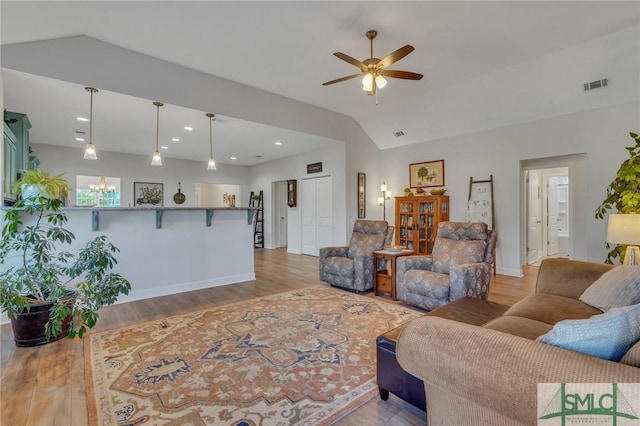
column 480, row 205
column 255, row 202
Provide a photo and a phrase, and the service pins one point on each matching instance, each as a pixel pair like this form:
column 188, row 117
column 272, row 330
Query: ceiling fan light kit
column 374, row 69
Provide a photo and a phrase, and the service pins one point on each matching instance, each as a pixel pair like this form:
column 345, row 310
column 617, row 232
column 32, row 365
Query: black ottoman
column 392, row 378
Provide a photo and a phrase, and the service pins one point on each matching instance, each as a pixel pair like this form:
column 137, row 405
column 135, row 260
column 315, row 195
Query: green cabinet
column 10, row 163
column 16, row 149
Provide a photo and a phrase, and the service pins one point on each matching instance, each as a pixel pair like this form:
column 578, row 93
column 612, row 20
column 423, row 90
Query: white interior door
column 317, row 207
column 552, row 216
column 308, row 206
column 534, row 226
column 283, row 214
column 324, row 207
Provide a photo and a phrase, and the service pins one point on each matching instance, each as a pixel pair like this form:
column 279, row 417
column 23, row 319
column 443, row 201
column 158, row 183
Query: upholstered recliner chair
column 351, row 266
column 460, row 265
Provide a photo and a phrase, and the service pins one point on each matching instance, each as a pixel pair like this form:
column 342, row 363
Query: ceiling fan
column 374, row 70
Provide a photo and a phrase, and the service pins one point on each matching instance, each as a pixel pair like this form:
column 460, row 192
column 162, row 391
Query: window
column 98, row 191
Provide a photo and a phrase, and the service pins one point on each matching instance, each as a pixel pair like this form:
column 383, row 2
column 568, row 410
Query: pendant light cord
column 210, row 138
column 91, row 117
column 157, row 125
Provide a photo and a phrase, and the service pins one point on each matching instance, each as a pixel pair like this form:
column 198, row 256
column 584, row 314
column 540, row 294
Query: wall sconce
column 625, row 229
column 382, row 200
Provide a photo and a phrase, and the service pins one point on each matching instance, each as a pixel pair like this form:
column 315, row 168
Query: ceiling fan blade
column 352, row 61
column 395, row 56
column 338, row 80
column 401, row 74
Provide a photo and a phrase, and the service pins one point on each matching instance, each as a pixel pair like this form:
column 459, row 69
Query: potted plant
column 48, row 292
column 623, row 193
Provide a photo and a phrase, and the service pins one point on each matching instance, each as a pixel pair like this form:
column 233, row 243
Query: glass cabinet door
column 406, row 225
column 426, row 211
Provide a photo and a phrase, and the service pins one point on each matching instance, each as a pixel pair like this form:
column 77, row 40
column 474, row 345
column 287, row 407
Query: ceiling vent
column 596, row 84
column 398, row 134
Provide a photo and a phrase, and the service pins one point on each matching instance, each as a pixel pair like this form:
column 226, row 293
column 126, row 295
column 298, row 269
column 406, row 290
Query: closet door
column 324, row 207
column 308, row 205
column 317, row 207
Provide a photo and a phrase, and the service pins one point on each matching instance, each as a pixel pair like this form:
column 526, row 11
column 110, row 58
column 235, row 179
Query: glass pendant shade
column 90, row 152
column 90, row 149
column 211, row 165
column 157, row 160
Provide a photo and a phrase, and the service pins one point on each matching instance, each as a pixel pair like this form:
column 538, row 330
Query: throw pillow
column 617, row 287
column 607, row 336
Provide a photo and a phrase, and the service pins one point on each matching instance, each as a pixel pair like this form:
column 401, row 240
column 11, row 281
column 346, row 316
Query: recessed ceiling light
column 164, row 147
column 82, row 119
column 188, row 128
column 278, row 143
column 234, row 158
column 80, row 139
column 175, row 140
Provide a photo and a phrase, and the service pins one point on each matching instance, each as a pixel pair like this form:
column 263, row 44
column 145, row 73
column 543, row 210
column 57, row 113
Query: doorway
column 548, row 213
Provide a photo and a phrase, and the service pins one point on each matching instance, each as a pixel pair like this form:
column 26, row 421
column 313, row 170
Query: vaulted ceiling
column 286, row 48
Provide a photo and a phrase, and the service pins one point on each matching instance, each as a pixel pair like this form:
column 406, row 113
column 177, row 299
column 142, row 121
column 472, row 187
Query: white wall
column 136, row 168
column 183, row 255
column 602, row 134
column 333, row 162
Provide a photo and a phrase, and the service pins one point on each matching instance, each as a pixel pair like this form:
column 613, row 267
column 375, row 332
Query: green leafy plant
column 52, row 186
column 40, row 272
column 623, row 193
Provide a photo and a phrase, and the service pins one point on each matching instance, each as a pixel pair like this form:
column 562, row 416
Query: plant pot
column 28, row 327
column 31, row 192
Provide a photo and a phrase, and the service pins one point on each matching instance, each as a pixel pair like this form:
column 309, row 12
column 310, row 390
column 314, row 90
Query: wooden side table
column 384, row 280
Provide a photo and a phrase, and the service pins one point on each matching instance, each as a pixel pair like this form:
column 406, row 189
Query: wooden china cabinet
column 417, row 220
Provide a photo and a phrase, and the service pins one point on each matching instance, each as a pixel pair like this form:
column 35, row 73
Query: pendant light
column 90, row 150
column 211, row 165
column 157, row 160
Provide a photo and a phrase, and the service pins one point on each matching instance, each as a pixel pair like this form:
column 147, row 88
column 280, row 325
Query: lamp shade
column 624, row 229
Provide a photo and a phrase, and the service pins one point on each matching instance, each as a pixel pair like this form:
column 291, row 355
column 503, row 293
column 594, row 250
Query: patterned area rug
column 301, row 357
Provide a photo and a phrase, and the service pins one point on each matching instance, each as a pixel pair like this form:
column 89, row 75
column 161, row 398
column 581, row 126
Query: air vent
column 398, row 134
column 596, row 84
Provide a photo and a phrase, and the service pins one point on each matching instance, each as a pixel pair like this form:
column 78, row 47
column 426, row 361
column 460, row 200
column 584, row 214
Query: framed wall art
column 362, row 195
column 147, row 194
column 427, row 174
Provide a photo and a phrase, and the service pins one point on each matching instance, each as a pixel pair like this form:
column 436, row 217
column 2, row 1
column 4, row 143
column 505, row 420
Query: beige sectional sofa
column 488, row 375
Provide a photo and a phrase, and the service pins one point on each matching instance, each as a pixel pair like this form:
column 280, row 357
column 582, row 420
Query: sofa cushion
column 340, row 266
column 550, row 308
column 519, row 326
column 451, row 252
column 615, row 288
column 427, row 283
column 607, row 336
column 632, row 357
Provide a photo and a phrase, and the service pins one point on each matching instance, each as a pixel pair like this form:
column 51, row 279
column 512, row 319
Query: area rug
column 302, row 357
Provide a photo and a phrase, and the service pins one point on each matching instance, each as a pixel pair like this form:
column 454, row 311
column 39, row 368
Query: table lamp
column 625, row 229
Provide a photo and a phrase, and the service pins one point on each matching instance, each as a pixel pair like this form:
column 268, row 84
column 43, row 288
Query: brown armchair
column 351, row 266
column 459, row 266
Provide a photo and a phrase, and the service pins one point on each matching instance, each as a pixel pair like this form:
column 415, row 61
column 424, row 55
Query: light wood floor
column 38, row 387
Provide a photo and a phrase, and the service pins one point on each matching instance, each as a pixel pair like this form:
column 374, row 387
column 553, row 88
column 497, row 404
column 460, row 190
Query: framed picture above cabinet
column 291, row 192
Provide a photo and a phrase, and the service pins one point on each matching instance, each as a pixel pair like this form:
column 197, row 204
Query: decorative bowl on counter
column 394, row 249
column 439, row 191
